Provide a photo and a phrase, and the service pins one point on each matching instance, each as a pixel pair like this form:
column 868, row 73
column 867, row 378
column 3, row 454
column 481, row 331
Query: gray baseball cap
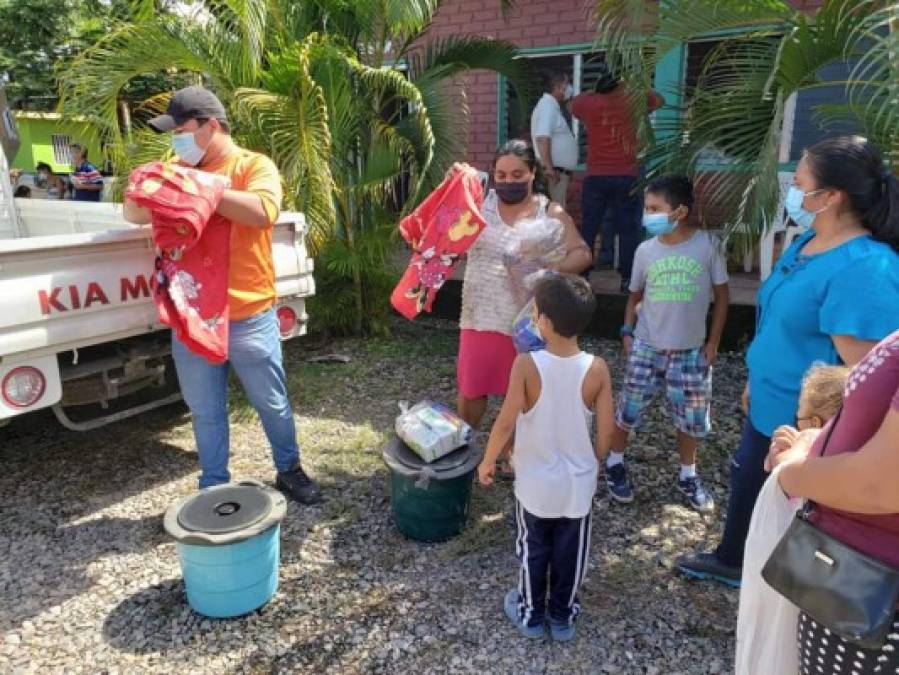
column 188, row 104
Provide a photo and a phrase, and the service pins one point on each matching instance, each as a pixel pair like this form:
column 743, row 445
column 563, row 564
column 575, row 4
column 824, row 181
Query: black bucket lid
column 225, row 513
column 232, row 508
column 401, row 458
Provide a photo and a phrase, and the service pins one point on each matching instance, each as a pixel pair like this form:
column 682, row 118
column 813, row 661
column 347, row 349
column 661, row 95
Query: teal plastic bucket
column 228, row 541
column 430, row 501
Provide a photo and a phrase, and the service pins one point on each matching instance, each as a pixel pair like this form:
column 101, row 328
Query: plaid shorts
column 687, row 378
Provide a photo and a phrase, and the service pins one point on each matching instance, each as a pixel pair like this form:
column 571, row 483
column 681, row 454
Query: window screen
column 518, row 121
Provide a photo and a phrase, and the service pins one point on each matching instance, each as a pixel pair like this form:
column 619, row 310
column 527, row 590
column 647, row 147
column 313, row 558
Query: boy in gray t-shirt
column 675, row 276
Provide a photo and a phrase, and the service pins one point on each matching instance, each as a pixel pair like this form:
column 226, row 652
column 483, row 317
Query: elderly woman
column 833, row 295
column 851, row 473
column 489, row 304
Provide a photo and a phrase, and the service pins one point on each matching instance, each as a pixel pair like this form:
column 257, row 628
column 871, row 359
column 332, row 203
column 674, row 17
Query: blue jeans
column 254, row 351
column 747, row 476
column 611, row 204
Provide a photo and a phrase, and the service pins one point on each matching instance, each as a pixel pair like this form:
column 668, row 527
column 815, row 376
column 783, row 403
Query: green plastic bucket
column 430, row 501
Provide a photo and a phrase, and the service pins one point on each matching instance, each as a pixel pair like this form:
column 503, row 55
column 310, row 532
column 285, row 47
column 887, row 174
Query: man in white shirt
column 551, row 134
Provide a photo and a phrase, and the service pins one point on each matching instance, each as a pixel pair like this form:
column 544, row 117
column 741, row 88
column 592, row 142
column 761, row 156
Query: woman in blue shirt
column 832, row 296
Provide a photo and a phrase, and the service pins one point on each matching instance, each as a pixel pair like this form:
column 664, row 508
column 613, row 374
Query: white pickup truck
column 77, row 323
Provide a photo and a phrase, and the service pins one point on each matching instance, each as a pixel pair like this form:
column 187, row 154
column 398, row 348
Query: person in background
column 832, row 295
column 610, row 200
column 87, row 182
column 22, row 192
column 552, row 138
column 45, row 179
column 553, row 397
column 489, row 304
column 850, row 473
column 202, row 138
column 675, row 275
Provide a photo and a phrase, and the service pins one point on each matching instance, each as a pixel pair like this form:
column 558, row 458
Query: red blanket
column 441, row 229
column 190, row 283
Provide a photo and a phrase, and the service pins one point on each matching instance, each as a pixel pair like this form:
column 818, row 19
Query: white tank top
column 555, row 463
column 488, row 303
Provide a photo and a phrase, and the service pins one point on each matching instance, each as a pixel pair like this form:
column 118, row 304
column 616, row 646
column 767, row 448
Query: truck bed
column 78, row 275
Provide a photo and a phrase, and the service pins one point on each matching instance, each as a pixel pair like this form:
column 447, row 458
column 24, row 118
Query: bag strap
column 807, row 509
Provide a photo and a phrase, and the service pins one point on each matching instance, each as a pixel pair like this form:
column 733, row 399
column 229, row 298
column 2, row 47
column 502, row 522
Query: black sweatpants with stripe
column 553, row 552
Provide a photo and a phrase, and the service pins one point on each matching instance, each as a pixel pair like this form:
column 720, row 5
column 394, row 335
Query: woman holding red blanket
column 489, row 305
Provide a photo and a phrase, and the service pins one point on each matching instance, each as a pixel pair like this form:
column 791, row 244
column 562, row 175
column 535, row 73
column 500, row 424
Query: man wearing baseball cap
column 201, row 137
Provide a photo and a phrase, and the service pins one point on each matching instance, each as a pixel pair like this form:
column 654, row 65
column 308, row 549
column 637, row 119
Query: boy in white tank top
column 553, row 396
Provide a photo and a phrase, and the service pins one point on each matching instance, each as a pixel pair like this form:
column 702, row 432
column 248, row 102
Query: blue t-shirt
column 852, row 289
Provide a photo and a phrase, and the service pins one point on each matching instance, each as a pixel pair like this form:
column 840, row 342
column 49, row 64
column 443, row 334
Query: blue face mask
column 799, row 214
column 187, row 149
column 658, row 223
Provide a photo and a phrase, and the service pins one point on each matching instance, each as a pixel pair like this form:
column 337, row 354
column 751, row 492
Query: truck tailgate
column 68, row 291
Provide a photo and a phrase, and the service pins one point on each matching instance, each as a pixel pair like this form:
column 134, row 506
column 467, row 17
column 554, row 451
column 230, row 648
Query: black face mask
column 512, row 193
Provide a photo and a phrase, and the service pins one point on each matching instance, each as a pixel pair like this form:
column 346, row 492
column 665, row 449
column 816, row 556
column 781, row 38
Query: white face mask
column 569, row 91
column 185, row 146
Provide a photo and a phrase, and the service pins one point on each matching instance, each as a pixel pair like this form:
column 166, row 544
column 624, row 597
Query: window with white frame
column 804, row 124
column 62, row 153
column 579, row 65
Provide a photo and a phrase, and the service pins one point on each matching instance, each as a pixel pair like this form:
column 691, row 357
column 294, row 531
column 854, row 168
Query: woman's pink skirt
column 484, row 363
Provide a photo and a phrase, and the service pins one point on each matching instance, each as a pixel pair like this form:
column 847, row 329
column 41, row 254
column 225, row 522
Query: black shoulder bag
column 848, row 592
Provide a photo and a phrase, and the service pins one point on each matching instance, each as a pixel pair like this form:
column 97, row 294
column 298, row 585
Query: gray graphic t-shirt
column 677, row 288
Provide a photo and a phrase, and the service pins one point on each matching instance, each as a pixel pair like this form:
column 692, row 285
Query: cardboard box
column 9, row 135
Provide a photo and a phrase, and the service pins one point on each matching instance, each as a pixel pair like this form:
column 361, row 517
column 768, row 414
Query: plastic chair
column 779, row 224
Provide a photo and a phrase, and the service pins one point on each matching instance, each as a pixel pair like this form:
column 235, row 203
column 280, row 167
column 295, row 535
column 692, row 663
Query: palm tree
column 736, row 111
column 348, row 98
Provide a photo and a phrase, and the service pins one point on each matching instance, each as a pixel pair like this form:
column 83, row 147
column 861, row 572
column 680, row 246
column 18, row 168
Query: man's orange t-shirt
column 251, row 274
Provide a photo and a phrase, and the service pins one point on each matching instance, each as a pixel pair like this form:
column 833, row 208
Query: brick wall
column 534, row 23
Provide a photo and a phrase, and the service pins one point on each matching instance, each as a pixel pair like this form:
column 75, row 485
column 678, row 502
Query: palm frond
column 449, row 117
column 732, row 119
column 433, row 67
column 735, row 113
column 622, row 26
column 874, row 82
column 295, row 125
column 408, row 17
column 389, row 86
column 456, row 55
column 92, row 85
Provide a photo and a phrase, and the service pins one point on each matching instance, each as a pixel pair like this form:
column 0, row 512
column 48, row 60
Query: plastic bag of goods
column 431, row 429
column 525, row 334
column 537, row 244
column 766, row 620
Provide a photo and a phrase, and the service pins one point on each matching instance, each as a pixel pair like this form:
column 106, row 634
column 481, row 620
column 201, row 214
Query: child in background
column 766, row 621
column 675, row 275
column 821, row 396
column 553, row 396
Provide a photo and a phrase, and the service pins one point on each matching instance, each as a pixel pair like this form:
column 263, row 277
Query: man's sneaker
column 561, row 631
column 510, row 605
column 620, row 488
column 707, row 566
column 299, row 486
column 693, row 489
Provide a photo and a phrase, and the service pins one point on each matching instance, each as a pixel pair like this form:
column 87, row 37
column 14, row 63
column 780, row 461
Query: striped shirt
column 87, row 173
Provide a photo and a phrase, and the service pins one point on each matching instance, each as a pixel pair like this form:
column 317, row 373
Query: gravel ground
column 90, row 583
